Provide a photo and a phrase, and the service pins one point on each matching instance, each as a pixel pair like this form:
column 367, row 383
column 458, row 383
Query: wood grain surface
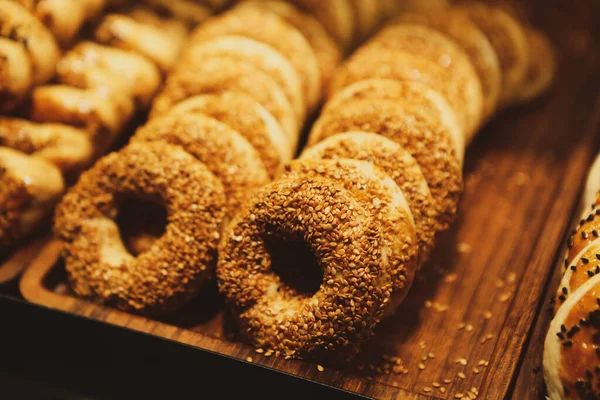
column 468, row 323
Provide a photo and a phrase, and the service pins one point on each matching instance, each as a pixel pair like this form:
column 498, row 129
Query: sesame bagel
column 246, row 116
column 30, row 187
column 398, row 164
column 366, row 17
column 142, row 31
column 335, row 15
column 225, row 152
column 271, row 30
column 473, row 41
column 15, row 74
column 171, row 272
column 382, row 198
column 19, row 25
column 102, row 116
column 542, row 66
column 325, row 48
column 462, row 85
column 332, row 322
column 424, row 137
column 413, row 95
column 571, row 348
column 262, row 56
column 109, row 70
column 509, row 41
column 67, row 148
column 225, row 74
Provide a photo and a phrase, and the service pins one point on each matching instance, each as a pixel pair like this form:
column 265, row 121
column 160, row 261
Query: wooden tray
column 469, row 319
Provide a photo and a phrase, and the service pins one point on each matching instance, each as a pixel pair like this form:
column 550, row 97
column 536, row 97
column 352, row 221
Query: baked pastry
column 332, row 316
column 28, row 53
column 68, row 148
column 382, row 198
column 219, row 74
column 172, row 271
column 459, row 27
column 247, row 117
column 325, row 48
column 571, row 348
column 542, row 66
column 64, row 18
column 260, row 55
column 225, row 152
column 30, row 187
column 509, row 40
column 398, row 164
column 271, row 30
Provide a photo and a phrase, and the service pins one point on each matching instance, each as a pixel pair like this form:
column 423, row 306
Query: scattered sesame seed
column 487, row 315
column 459, row 396
column 320, row 368
column 421, row 366
column 427, row 389
column 259, row 351
column 461, row 361
column 436, row 384
column 443, row 389
column 461, row 375
column 475, row 370
column 447, row 381
column 249, row 359
column 469, row 328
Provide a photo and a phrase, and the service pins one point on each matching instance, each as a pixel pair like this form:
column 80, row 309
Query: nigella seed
column 563, row 328
column 597, row 211
column 562, row 297
column 584, row 235
column 595, row 233
column 584, row 260
column 566, row 263
column 598, row 269
column 590, row 273
column 560, row 335
column 568, row 343
column 565, row 290
column 590, row 217
column 584, row 322
column 573, row 268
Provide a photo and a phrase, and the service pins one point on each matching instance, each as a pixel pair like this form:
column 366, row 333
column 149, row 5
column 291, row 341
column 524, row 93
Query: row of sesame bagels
column 380, row 179
column 226, row 121
column 572, row 349
column 98, row 86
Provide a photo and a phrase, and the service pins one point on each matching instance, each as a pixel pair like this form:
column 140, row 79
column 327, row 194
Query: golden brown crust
column 247, row 117
column 15, row 74
column 462, row 87
column 326, row 49
column 14, row 198
column 224, row 151
column 381, row 198
column 260, row 55
column 332, row 323
column 172, row 271
column 477, row 46
column 398, row 164
column 68, row 148
column 421, row 135
column 226, row 74
column 542, row 66
column 271, row 30
column 508, row 39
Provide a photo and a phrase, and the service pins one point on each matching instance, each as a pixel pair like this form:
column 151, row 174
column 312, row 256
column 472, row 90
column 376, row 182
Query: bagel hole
column 296, row 265
column 141, row 223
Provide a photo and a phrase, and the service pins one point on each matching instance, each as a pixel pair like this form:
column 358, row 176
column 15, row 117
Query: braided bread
column 98, row 90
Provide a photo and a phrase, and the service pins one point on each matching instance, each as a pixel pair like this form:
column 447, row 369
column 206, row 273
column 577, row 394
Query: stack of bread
column 381, row 178
column 98, row 87
column 227, row 120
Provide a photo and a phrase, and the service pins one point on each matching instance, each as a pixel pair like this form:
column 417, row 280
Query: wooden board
column 476, row 302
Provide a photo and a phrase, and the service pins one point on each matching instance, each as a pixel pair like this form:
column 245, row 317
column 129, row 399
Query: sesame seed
column 421, row 366
column 427, row 389
column 487, row 315
column 249, row 359
column 461, row 375
column 320, row 368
